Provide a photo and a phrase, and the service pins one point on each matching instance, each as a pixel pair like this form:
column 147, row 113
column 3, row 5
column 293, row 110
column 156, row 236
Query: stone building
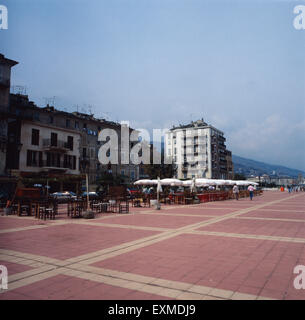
column 67, row 146
column 5, row 83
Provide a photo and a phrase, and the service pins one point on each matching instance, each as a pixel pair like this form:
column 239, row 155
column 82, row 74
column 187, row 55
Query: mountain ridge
column 253, row 167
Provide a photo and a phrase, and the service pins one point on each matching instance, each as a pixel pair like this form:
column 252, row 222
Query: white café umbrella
column 144, row 182
column 171, row 182
column 242, row 182
column 187, row 183
column 230, row 182
column 193, row 185
column 159, row 189
column 214, row 182
column 202, row 181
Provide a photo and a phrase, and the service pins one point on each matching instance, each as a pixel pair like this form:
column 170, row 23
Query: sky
column 239, row 65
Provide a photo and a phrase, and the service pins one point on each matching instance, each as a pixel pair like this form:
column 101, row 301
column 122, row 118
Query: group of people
column 236, row 191
column 295, row 188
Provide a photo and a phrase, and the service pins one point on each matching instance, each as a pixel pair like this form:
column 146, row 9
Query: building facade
column 5, row 83
column 61, row 144
column 198, row 150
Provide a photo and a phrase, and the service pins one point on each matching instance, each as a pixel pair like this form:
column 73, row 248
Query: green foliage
column 239, row 176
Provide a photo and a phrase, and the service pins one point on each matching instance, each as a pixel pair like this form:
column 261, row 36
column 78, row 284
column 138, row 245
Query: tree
column 239, row 176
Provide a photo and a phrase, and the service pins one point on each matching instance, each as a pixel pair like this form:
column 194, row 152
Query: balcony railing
column 189, row 141
column 61, row 165
column 59, row 144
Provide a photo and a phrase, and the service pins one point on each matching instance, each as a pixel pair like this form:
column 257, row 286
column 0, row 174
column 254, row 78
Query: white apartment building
column 198, row 150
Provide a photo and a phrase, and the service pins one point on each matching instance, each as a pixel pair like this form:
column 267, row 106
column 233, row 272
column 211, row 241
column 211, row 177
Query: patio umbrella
column 171, row 182
column 159, row 189
column 242, row 182
column 202, row 181
column 193, row 185
column 144, row 182
column 187, row 183
column 230, row 182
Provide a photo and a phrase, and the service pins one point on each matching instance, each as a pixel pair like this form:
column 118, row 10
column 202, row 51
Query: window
column 53, row 139
column 51, row 119
column 67, row 123
column 74, row 162
column 35, row 137
column 70, row 142
column 84, row 152
column 32, row 158
column 122, row 172
column 36, row 116
column 85, row 126
column 76, row 125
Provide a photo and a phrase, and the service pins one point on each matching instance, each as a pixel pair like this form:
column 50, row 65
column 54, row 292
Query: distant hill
column 251, row 167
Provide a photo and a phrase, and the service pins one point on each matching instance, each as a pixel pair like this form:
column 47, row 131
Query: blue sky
column 240, row 65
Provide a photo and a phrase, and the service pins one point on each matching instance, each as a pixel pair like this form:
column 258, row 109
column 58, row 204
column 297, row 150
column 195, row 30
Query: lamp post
column 89, row 214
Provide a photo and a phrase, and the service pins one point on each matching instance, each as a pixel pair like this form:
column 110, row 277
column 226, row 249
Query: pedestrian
column 236, row 191
column 251, row 191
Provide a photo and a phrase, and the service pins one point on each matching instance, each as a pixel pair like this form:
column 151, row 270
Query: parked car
column 72, row 194
column 92, row 195
column 63, row 196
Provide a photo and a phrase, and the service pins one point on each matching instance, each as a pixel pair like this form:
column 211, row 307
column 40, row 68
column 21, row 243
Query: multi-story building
column 60, row 144
column 230, row 166
column 198, row 150
column 5, row 83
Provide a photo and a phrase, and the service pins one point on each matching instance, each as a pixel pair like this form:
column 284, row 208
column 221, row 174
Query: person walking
column 251, row 191
column 236, row 191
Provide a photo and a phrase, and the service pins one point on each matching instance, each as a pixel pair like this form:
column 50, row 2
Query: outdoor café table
column 77, row 208
column 188, row 200
column 21, row 207
column 178, row 198
column 104, row 207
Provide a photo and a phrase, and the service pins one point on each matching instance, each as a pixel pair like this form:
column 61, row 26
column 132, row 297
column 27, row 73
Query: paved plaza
column 218, row 250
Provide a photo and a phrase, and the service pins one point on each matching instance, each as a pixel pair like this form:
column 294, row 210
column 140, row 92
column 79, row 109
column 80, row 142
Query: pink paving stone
column 231, row 264
column 70, row 240
column 275, row 214
column 155, row 220
column 259, row 227
column 16, row 222
column 66, row 287
column 13, row 268
column 202, row 211
column 286, row 207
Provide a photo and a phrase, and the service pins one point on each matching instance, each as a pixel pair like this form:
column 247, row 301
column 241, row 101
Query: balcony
column 189, row 141
column 54, row 165
column 55, row 145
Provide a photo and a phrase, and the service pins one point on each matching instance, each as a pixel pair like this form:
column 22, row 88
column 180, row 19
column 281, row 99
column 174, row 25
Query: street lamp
column 89, row 213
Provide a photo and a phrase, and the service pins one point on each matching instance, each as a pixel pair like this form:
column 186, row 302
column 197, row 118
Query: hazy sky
column 240, row 65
